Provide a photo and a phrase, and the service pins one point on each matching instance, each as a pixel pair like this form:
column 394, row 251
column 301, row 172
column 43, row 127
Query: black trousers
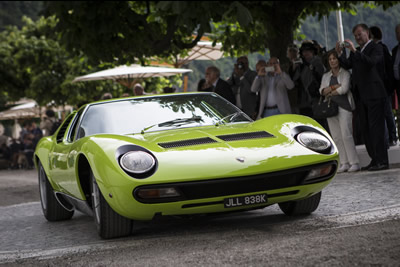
column 372, row 120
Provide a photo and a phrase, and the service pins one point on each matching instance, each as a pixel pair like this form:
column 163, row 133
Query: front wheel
column 301, row 207
column 109, row 223
column 52, row 209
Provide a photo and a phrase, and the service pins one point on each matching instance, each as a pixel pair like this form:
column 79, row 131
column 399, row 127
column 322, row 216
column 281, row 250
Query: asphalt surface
column 357, row 223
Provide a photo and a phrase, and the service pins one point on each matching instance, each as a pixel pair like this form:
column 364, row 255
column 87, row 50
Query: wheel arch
column 45, row 165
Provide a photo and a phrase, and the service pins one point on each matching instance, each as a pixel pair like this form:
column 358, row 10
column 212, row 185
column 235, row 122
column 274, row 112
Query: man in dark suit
column 388, row 81
column 215, row 84
column 396, row 63
column 366, row 63
column 241, row 80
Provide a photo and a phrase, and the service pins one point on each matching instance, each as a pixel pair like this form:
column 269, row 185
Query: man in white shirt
column 272, row 83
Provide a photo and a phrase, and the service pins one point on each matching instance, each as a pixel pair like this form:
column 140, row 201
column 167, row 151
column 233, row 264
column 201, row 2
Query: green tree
column 275, row 23
column 35, row 65
column 129, row 31
column 11, row 12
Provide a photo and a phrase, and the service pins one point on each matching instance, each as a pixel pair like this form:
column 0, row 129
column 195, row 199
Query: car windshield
column 156, row 113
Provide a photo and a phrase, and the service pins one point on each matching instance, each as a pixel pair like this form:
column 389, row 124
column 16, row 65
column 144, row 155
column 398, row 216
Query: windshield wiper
column 230, row 116
column 179, row 122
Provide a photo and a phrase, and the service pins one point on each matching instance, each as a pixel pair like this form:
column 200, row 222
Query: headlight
column 137, row 162
column 314, row 141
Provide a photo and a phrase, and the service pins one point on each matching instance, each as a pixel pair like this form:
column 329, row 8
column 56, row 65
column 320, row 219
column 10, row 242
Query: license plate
column 234, row 202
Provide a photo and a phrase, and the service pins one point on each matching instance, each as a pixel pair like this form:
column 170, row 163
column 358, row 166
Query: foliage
column 135, row 31
column 127, row 32
column 40, row 59
column 35, row 65
column 11, row 12
column 274, row 24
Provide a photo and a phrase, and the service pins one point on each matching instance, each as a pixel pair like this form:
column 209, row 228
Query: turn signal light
column 155, row 193
column 319, row 172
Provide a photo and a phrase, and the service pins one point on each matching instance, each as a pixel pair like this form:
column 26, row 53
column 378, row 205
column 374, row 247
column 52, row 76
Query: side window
column 63, row 128
column 75, row 123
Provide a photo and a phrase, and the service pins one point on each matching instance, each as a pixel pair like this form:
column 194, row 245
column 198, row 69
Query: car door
column 63, row 157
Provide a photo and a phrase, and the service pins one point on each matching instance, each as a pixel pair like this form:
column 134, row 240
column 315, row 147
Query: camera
column 269, row 69
column 240, row 65
column 298, row 61
column 344, row 44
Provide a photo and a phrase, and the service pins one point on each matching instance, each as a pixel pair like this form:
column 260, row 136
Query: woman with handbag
column 336, row 85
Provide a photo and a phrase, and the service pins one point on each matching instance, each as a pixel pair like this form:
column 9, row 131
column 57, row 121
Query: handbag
column 324, row 108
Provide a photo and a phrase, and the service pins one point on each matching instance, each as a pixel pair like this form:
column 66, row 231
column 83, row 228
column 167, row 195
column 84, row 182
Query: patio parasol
column 204, row 50
column 24, row 111
column 127, row 75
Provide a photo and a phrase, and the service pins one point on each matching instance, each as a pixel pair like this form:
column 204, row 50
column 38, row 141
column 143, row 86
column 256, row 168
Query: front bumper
column 238, row 185
column 208, row 196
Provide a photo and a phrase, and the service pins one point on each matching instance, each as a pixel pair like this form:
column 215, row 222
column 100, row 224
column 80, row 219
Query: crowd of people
column 362, row 81
column 17, row 153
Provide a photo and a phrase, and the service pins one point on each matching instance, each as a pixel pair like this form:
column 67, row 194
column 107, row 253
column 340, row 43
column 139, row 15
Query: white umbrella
column 204, row 50
column 127, row 75
column 124, row 72
column 23, row 111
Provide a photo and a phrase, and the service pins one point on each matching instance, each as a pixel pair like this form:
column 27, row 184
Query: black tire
column 109, row 223
column 52, row 210
column 301, row 207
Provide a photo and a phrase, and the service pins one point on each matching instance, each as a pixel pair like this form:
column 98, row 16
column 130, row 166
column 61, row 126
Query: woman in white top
column 336, row 84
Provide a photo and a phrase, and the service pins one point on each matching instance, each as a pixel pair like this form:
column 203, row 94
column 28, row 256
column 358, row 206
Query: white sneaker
column 354, row 168
column 343, row 168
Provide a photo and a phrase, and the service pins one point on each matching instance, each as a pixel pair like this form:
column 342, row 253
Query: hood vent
column 245, row 136
column 208, row 140
column 190, row 142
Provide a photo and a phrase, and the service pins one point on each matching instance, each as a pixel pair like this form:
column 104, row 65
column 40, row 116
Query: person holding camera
column 272, row 83
column 292, row 53
column 241, row 80
column 309, row 74
column 366, row 62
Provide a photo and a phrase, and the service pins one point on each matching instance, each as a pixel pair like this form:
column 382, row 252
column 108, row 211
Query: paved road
column 363, row 208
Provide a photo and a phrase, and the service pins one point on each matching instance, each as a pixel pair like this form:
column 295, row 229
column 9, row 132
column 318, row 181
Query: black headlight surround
column 303, row 128
column 122, row 150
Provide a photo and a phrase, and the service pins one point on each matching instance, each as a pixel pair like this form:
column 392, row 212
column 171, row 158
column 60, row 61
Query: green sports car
column 135, row 158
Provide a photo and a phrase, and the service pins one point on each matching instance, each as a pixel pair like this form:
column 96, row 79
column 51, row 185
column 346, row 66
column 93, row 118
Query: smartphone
column 269, row 69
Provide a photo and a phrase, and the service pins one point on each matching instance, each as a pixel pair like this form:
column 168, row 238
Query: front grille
column 238, row 185
column 189, row 142
column 245, row 136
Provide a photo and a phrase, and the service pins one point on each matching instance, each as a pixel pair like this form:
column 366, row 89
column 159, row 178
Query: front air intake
column 189, row 142
column 245, row 136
